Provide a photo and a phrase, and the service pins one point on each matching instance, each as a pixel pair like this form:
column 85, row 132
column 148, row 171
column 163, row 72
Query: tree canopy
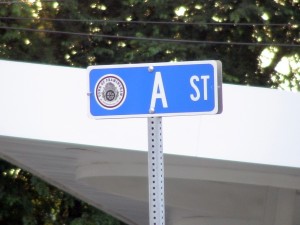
column 257, row 41
column 27, row 200
column 251, row 38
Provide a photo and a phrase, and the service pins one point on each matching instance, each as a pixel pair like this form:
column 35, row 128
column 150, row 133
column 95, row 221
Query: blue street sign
column 155, row 89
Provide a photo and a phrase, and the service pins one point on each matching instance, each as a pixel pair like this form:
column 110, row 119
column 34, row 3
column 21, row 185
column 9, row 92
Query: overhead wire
column 182, row 41
column 152, row 22
column 149, row 22
column 23, row 2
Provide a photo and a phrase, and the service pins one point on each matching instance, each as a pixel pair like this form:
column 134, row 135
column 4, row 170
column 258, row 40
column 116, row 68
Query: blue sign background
column 176, row 81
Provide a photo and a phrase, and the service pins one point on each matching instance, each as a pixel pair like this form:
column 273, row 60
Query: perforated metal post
column 156, row 172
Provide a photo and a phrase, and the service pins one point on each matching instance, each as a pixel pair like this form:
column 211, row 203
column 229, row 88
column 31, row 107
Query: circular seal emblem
column 110, row 91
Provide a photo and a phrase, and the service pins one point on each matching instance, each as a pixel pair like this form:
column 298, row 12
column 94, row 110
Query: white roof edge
column 43, row 102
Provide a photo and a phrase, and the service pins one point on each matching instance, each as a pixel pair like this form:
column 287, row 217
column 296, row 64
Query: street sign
column 155, row 89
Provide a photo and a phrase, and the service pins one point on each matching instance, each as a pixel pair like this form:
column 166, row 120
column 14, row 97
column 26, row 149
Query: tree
column 81, row 33
column 251, row 38
column 40, row 203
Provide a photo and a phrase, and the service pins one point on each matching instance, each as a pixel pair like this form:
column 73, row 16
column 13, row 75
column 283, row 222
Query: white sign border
column 217, row 83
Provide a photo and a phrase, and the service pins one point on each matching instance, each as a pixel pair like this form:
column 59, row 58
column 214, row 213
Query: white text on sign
column 158, row 91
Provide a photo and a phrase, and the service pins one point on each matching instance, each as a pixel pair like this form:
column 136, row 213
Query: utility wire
column 181, row 41
column 152, row 22
column 23, row 2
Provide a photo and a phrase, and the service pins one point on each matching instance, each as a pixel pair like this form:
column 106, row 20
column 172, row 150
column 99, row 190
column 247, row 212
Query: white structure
column 238, row 168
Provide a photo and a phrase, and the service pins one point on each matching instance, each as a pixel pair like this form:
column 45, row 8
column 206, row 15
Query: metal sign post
column 156, row 172
column 155, row 90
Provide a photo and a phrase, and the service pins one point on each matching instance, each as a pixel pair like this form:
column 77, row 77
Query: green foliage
column 79, row 43
column 241, row 63
column 94, row 219
column 27, row 200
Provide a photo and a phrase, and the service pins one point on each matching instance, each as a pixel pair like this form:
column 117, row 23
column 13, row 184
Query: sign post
column 155, row 90
column 156, row 172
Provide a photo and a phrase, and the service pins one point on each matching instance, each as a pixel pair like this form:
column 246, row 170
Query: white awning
column 239, row 167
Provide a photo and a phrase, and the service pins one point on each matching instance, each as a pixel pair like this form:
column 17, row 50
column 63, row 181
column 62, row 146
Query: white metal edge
column 218, row 85
column 214, row 112
column 113, row 66
column 88, row 93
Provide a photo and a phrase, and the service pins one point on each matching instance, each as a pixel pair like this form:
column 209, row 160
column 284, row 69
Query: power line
column 153, row 22
column 181, row 41
column 23, row 2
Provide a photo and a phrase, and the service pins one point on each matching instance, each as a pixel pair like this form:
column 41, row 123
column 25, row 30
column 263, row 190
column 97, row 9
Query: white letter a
column 158, row 85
